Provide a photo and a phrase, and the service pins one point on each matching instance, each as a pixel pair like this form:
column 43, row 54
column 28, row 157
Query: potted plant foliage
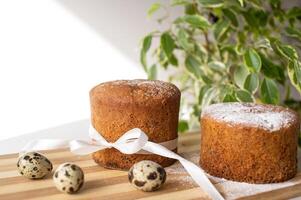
column 228, row 50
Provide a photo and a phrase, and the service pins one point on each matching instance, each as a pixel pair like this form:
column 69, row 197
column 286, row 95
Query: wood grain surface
column 101, row 183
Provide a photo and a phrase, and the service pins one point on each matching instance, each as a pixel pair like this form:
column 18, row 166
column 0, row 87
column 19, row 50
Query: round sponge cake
column 118, row 106
column 249, row 142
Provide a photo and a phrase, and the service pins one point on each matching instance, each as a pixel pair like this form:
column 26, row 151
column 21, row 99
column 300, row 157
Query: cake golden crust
column 249, row 142
column 118, row 106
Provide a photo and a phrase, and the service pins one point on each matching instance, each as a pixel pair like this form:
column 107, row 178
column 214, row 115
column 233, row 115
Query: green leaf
column 231, row 16
column 202, row 92
column 201, row 53
column 240, row 75
column 244, row 96
column 173, row 60
column 242, row 36
column 191, row 9
column 252, row 82
column 287, row 51
column 274, row 44
column 229, row 95
column 256, row 3
column 211, row 3
column 179, row 2
column 269, row 92
column 162, row 58
column 229, row 98
column 143, row 60
column 152, row 72
column 251, row 19
column 217, row 66
column 196, row 21
column 275, row 3
column 183, row 40
column 228, row 48
column 264, row 43
column 196, row 110
column 183, row 126
column 241, row 2
column 294, row 73
column 294, row 12
column 168, row 44
column 240, row 49
column 262, row 17
column 255, row 18
column 271, row 70
column 252, row 60
column 193, row 66
column 290, row 31
column 154, row 7
column 220, row 28
column 209, row 97
column 146, row 43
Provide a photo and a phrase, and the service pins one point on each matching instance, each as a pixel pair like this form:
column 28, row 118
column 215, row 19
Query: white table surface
column 73, row 130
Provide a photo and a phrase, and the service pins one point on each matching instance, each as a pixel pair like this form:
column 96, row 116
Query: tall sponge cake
column 118, row 106
column 249, row 142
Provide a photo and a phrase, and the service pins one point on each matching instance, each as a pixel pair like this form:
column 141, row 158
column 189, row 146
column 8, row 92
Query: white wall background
column 50, row 58
column 122, row 22
column 53, row 51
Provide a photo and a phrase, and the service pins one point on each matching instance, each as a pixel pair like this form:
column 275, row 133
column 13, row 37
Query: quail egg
column 147, row 175
column 34, row 165
column 68, row 178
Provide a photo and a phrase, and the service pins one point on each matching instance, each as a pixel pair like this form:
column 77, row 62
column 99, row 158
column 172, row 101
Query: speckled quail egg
column 147, row 175
column 34, row 165
column 68, row 178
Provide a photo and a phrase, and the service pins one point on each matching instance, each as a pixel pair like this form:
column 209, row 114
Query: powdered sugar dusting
column 234, row 190
column 268, row 117
column 177, row 173
column 145, row 87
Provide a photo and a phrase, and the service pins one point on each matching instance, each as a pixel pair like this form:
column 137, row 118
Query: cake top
column 268, row 117
column 139, row 89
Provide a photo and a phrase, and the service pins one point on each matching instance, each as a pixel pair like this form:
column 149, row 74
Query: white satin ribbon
column 133, row 141
column 96, row 143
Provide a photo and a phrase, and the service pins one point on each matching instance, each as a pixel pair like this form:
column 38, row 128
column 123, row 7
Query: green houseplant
column 227, row 50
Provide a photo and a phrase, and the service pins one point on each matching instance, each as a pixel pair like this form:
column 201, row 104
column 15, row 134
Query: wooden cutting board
column 102, row 183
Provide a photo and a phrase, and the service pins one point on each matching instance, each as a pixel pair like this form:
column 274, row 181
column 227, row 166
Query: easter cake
column 118, row 106
column 249, row 142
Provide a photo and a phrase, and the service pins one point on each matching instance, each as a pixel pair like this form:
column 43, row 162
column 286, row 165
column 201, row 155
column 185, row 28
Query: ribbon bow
column 129, row 143
column 133, row 141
